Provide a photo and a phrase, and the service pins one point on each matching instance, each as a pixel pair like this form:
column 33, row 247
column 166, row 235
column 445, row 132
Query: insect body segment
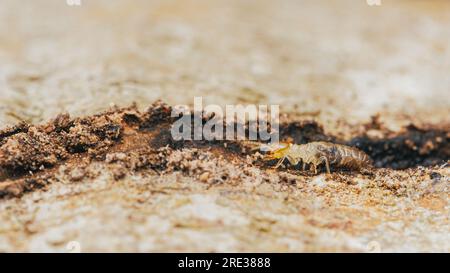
column 326, row 153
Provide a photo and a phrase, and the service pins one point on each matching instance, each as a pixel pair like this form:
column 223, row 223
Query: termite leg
column 279, row 162
column 327, row 164
column 292, row 161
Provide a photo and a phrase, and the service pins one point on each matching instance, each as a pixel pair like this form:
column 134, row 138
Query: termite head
column 276, row 151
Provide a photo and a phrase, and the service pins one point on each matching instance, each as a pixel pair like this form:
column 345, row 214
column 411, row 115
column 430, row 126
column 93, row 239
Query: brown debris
column 129, row 141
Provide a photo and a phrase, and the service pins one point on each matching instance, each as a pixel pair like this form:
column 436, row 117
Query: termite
column 316, row 153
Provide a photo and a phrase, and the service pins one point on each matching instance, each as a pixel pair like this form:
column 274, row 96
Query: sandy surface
column 335, row 62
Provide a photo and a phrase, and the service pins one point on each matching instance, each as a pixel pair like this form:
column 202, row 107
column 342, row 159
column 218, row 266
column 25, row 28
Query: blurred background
column 329, row 59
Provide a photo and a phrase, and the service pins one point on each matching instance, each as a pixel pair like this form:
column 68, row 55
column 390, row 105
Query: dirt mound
column 31, row 154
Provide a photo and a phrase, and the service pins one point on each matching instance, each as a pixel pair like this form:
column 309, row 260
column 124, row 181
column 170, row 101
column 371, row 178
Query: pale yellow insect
column 316, row 153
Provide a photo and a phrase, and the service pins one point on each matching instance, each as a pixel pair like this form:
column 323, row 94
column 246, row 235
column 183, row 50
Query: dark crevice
column 33, row 147
column 415, row 147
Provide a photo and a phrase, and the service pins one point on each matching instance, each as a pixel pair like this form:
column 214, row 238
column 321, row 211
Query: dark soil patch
column 414, row 147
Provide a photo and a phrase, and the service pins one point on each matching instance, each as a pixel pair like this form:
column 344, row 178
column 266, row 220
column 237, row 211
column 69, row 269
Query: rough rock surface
column 73, row 176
